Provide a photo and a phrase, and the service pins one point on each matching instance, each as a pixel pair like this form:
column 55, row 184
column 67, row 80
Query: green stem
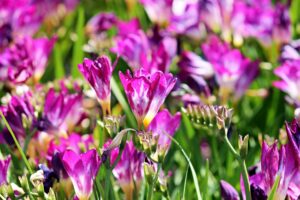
column 243, row 166
column 150, row 192
column 17, row 143
column 107, row 180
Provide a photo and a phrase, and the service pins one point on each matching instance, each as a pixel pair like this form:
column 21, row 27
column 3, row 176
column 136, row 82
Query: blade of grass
column 58, row 62
column 195, row 179
column 274, row 188
column 184, row 185
column 117, row 92
column 77, row 49
column 17, row 143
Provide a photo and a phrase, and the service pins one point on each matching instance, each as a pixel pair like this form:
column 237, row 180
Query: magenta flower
column 75, row 142
column 291, row 51
column 187, row 22
column 62, row 111
column 14, row 112
column 161, row 126
column 17, row 20
column 282, row 24
column 25, row 59
column 275, row 163
column 133, row 48
column 128, row 27
column 228, row 192
column 129, row 170
column 82, row 170
column 98, row 73
column 4, row 164
column 100, row 23
column 234, row 72
column 146, row 92
column 159, row 11
column 289, row 72
column 253, row 20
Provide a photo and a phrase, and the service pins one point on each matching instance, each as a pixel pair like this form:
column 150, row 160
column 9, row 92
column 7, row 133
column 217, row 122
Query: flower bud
column 149, row 171
column 113, row 123
column 243, row 146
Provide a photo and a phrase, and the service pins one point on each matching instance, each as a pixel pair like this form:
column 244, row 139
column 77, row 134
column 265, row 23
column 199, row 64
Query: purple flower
column 128, row 27
column 159, row 11
column 161, row 126
column 25, row 59
column 253, row 20
column 161, row 56
column 78, row 143
column 14, row 112
column 4, row 164
column 82, row 170
column 61, row 111
column 187, row 22
column 228, row 192
column 17, row 20
column 275, row 163
column 282, row 24
column 98, row 73
column 146, row 93
column 289, row 72
column 101, row 23
column 129, row 170
column 133, row 48
column 291, row 51
column 234, row 72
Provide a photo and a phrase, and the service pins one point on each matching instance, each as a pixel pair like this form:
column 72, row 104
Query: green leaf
column 58, row 62
column 77, row 49
column 184, row 185
column 195, row 179
column 274, row 188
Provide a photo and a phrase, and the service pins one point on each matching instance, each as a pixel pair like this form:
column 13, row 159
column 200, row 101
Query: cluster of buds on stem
column 210, row 116
column 148, row 143
column 113, row 123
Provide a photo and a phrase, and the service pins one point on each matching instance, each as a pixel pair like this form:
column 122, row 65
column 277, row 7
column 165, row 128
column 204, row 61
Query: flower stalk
column 242, row 164
column 153, row 182
column 17, row 143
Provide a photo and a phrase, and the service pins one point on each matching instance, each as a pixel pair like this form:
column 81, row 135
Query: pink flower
column 4, row 164
column 164, row 125
column 25, row 59
column 82, row 170
column 234, row 72
column 289, row 72
column 98, row 73
column 129, row 170
column 146, row 92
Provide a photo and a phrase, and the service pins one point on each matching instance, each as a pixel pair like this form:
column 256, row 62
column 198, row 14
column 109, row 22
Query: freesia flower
column 100, row 23
column 289, row 72
column 282, row 24
column 4, row 164
column 291, row 51
column 196, row 72
column 187, row 22
column 133, row 48
column 25, row 59
column 163, row 126
column 82, row 170
column 228, row 192
column 276, row 163
column 129, row 170
column 17, row 20
column 98, row 73
column 146, row 92
column 17, row 110
column 74, row 141
column 159, row 11
column 234, row 72
column 58, row 108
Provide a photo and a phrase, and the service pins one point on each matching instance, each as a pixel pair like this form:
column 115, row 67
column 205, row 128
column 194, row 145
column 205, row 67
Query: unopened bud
column 243, row 146
column 149, row 172
column 37, row 178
